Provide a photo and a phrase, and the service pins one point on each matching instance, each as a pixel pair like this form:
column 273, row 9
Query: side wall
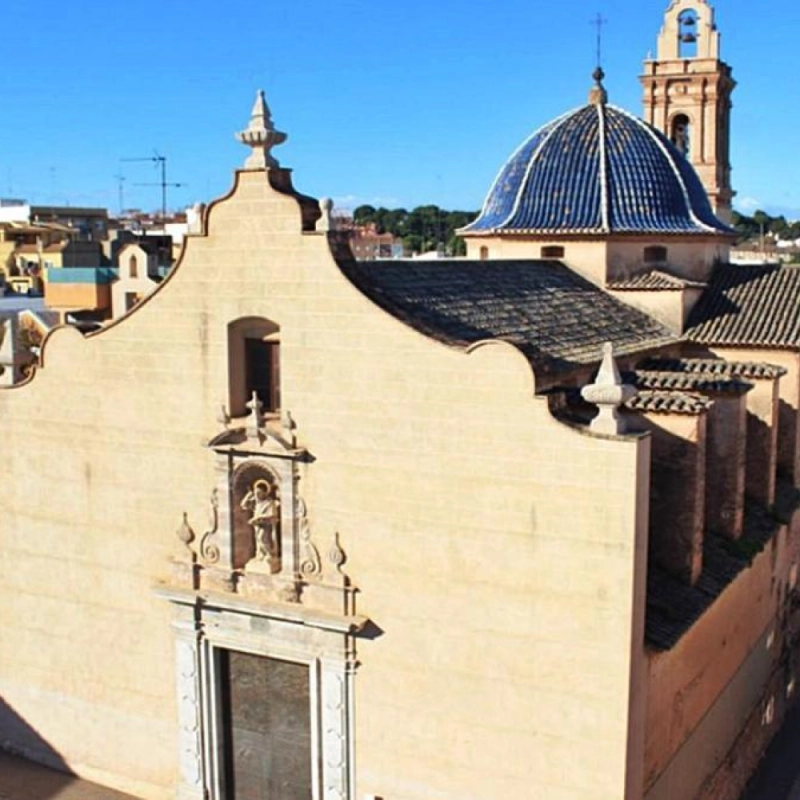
column 703, row 692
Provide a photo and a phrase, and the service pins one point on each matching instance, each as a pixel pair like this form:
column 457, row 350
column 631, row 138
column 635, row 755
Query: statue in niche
column 261, row 502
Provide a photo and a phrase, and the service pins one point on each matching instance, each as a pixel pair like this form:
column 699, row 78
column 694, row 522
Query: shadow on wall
column 20, row 745
column 778, row 776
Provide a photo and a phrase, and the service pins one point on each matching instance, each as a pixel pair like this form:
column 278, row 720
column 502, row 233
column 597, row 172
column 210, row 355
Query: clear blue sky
column 393, row 103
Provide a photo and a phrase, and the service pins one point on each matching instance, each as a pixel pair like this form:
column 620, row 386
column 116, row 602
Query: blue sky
column 396, row 104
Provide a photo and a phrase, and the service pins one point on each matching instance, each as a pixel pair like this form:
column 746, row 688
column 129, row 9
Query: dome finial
column 598, row 96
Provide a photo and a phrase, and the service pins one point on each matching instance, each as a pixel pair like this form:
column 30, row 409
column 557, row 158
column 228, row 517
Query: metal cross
column 599, row 21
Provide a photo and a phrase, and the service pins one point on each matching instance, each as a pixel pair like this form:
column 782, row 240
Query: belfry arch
column 687, row 96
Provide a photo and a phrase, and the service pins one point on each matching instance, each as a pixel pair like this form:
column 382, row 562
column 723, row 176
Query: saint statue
column 262, row 503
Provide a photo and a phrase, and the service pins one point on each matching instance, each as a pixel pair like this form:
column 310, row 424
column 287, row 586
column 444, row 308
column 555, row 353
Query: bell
column 688, row 38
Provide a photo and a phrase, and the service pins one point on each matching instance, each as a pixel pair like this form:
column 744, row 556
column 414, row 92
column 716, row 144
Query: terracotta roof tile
column 654, row 280
column 749, row 306
column 666, row 402
column 686, row 382
column 714, row 367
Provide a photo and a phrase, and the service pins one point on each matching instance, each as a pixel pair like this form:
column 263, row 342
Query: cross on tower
column 598, row 22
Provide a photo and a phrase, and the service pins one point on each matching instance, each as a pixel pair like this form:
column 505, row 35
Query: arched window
column 484, row 253
column 687, row 34
column 655, row 255
column 133, row 267
column 552, row 251
column 680, row 133
column 253, row 365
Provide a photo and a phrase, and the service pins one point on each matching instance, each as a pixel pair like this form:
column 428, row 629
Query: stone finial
column 608, row 393
column 598, row 96
column 325, row 223
column 261, row 135
column 255, row 421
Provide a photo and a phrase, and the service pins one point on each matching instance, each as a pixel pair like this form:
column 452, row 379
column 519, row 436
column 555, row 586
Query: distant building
column 366, row 242
column 88, row 224
column 139, row 273
column 24, row 322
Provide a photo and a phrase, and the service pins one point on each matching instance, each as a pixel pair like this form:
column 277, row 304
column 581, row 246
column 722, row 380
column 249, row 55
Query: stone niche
column 258, row 543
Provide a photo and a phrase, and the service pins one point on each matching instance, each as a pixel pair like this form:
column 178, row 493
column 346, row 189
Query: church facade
column 518, row 525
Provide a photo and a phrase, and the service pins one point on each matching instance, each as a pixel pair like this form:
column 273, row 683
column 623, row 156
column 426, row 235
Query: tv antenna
column 598, row 22
column 159, row 161
column 121, row 189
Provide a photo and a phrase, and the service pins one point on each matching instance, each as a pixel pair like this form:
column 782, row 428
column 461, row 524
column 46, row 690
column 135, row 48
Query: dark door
column 267, row 721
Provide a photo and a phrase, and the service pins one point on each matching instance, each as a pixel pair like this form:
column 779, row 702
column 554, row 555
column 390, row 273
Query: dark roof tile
column 558, row 319
column 756, row 306
column 686, row 382
column 714, row 367
column 666, row 402
column 654, row 280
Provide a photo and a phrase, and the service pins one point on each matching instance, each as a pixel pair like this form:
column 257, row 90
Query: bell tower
column 687, row 96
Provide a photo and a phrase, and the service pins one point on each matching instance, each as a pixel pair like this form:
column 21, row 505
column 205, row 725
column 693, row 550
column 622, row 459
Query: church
column 519, row 525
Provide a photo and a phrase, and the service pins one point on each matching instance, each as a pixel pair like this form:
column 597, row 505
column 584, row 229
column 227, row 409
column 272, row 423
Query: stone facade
column 457, row 502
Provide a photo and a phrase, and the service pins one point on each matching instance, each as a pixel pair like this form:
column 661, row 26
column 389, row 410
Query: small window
column 262, row 366
column 133, row 267
column 253, row 365
column 680, row 134
column 484, row 254
column 553, row 251
column 131, row 299
column 655, row 255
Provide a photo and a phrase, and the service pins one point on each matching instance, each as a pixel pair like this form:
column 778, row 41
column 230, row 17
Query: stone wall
column 499, row 554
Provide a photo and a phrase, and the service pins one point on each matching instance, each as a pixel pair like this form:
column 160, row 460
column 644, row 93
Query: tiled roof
column 557, row 318
column 716, row 367
column 654, row 280
column 673, row 606
column 666, row 402
column 595, row 170
column 756, row 306
column 685, row 382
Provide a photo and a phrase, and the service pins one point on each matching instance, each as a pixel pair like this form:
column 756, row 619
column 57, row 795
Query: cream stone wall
column 586, row 257
column 500, row 554
column 689, row 257
column 607, row 259
column 667, row 306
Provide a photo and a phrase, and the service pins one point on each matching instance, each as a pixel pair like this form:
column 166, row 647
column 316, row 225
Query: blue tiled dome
column 597, row 170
